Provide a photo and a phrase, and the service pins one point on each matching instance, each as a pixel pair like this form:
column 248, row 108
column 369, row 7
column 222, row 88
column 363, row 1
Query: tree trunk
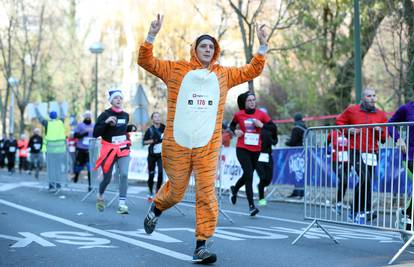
column 345, row 74
column 4, row 109
column 21, row 122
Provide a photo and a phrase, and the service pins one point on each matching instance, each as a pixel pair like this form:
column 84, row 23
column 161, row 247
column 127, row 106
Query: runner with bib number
column 83, row 132
column 153, row 137
column 111, row 125
column 250, row 121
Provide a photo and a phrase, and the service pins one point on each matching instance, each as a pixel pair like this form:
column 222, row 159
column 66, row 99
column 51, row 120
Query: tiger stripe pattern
column 179, row 161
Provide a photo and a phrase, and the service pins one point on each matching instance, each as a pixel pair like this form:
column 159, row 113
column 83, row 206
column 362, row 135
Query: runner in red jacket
column 363, row 143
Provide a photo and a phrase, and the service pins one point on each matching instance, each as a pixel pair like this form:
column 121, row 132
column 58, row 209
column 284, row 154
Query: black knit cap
column 241, row 99
column 203, row 37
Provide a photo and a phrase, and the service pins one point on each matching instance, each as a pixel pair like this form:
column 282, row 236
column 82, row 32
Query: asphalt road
column 38, row 228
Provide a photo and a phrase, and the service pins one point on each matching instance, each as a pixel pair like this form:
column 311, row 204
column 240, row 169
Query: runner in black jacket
column 36, row 156
column 153, row 138
column 264, row 165
column 111, row 125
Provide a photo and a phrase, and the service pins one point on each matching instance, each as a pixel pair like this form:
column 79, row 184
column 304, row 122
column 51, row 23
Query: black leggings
column 248, row 161
column 362, row 189
column 23, row 164
column 265, row 172
column 11, row 159
column 152, row 161
column 82, row 160
column 342, row 176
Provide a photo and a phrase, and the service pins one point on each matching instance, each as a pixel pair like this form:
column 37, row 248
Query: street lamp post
column 357, row 47
column 13, row 82
column 96, row 48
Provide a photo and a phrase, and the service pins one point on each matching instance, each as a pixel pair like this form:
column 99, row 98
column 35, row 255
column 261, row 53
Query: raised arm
column 146, row 59
column 62, row 114
column 40, row 118
column 236, row 76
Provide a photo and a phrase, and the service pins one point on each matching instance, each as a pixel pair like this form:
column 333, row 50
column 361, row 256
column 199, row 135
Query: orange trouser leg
column 205, row 165
column 177, row 164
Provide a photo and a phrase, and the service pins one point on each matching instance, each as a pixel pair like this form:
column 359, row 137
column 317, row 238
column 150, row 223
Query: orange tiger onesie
column 192, row 136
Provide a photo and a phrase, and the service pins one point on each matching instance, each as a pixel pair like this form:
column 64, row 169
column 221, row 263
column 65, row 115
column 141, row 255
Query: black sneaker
column 253, row 211
column 203, row 256
column 150, row 220
column 233, row 196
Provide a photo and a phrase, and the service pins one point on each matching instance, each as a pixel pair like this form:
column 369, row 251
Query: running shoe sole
column 204, row 256
column 100, row 206
column 122, row 211
column 210, row 259
column 254, row 212
column 150, row 221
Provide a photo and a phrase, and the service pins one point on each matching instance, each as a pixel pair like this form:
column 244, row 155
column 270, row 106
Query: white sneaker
column 122, row 209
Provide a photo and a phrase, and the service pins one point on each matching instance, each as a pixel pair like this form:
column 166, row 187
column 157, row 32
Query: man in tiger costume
column 197, row 91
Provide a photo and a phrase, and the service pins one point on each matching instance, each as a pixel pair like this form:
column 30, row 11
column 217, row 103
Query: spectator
column 55, row 146
column 363, row 150
column 296, row 140
column 153, row 137
column 298, row 130
column 35, row 148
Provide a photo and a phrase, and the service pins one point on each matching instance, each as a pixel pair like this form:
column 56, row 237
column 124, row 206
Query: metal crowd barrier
column 97, row 176
column 349, row 182
column 190, row 194
column 56, row 164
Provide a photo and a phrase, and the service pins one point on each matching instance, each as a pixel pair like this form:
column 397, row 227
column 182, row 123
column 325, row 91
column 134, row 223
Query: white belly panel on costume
column 196, row 110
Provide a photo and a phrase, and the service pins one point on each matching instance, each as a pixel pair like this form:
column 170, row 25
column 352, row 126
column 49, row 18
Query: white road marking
column 128, row 240
column 7, row 187
column 139, row 189
column 27, row 240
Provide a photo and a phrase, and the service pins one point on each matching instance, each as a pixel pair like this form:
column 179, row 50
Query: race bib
column 157, row 148
column 37, row 146
column 343, row 156
column 12, row 149
column 121, row 121
column 264, row 157
column 369, row 159
column 72, row 149
column 200, row 102
column 86, row 141
column 118, row 139
column 251, row 139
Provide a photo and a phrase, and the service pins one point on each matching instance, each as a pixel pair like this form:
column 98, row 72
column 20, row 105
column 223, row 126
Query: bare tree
column 28, row 50
column 6, row 37
column 248, row 15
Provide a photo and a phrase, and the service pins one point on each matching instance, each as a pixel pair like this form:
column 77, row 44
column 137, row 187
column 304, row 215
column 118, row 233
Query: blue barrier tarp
column 289, row 168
